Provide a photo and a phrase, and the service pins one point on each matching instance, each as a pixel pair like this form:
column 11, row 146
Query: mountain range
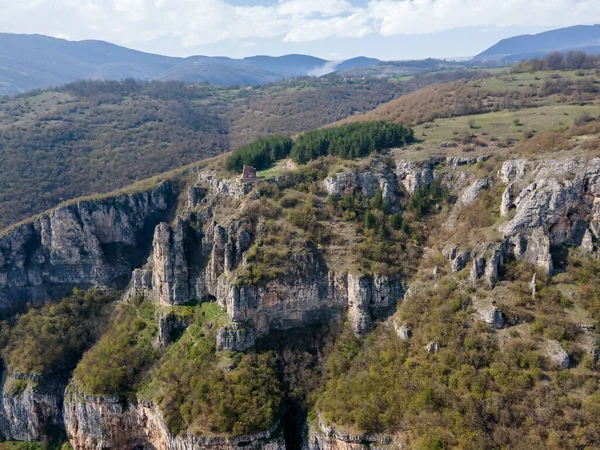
column 33, row 62
column 517, row 48
column 30, row 62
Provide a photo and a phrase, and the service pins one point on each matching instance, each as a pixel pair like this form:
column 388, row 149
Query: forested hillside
column 94, row 137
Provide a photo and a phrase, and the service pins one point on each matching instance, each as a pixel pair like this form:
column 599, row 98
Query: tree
column 370, row 220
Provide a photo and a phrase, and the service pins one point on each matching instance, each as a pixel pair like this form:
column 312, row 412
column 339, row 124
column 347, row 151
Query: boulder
column 404, row 331
column 489, row 313
column 557, row 355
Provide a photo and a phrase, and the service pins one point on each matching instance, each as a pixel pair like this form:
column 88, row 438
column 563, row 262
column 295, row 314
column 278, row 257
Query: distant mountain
column 372, row 68
column 33, row 61
column 291, row 65
column 361, row 61
column 581, row 37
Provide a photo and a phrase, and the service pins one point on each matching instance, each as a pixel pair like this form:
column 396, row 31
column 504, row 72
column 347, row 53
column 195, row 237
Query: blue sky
column 331, row 29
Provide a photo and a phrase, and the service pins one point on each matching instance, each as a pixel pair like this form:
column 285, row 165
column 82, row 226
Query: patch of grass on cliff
column 478, row 391
column 198, row 393
column 271, row 255
column 53, row 337
column 115, row 365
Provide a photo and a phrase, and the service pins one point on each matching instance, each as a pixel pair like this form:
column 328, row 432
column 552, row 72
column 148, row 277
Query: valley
column 414, row 264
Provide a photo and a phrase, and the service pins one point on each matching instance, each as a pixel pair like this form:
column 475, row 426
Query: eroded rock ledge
column 104, row 423
column 325, row 437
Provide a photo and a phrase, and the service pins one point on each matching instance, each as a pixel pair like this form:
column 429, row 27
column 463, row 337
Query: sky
column 331, row 29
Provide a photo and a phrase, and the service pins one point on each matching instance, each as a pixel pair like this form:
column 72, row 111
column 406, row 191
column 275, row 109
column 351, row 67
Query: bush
column 470, row 394
column 396, row 221
column 370, row 220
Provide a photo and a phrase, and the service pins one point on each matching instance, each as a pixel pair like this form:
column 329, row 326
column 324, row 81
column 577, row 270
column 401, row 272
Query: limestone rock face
column 140, row 285
column 403, row 331
column 310, row 295
column 587, row 243
column 195, row 195
column 432, row 347
column 27, row 414
column 508, row 200
column 493, row 266
column 236, row 335
column 555, row 202
column 477, row 270
column 366, row 183
column 90, row 243
column 324, row 437
column 458, row 161
column 369, row 298
column 170, row 279
column 95, row 423
column 470, row 194
column 513, row 169
column 460, row 261
column 489, row 314
column 413, row 176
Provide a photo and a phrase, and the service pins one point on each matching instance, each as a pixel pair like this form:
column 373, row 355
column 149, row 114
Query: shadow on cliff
column 302, row 357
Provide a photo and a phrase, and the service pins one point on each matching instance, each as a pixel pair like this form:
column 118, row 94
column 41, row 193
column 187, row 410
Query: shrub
column 396, row 221
column 424, row 198
column 370, row 220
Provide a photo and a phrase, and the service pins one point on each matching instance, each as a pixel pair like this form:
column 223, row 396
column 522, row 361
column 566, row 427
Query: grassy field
column 521, row 81
column 279, row 167
column 507, row 123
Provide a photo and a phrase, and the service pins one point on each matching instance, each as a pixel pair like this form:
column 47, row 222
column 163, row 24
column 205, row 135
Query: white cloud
column 405, row 17
column 196, row 22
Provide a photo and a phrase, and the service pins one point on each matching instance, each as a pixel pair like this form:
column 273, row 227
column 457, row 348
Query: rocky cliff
column 200, row 255
column 89, row 243
column 105, row 423
column 324, row 437
column 31, row 406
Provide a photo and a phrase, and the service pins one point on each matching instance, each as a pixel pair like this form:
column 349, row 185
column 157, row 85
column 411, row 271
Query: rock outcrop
column 413, row 176
column 170, row 279
column 555, row 202
column 557, row 355
column 324, row 437
column 470, row 194
column 31, row 406
column 310, row 295
column 365, row 183
column 90, row 243
column 95, row 423
column 489, row 313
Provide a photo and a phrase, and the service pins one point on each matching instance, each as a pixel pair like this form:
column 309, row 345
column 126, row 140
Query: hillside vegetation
column 506, row 91
column 95, row 137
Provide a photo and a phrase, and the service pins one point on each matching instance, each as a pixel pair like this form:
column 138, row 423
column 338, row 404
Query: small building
column 248, row 174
